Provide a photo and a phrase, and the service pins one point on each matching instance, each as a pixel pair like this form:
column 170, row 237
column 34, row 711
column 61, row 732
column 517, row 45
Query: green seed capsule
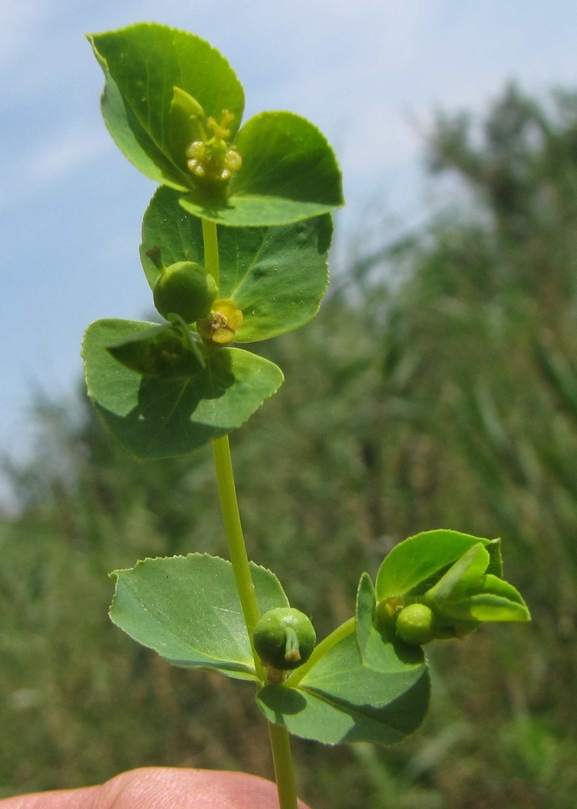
column 284, row 638
column 416, row 624
column 185, row 289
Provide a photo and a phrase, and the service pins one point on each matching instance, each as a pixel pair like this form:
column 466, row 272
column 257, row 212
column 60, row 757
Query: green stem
column 227, row 489
column 320, row 651
column 279, row 737
column 235, row 538
column 210, row 239
column 283, row 766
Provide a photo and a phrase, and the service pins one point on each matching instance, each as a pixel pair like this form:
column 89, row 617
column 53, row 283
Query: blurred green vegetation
column 437, row 388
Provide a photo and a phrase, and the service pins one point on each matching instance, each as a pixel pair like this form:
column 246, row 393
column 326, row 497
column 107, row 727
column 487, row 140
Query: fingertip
column 172, row 788
column 161, row 788
column 83, row 798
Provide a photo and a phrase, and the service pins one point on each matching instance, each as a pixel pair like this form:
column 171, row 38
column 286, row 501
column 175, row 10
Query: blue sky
column 363, row 71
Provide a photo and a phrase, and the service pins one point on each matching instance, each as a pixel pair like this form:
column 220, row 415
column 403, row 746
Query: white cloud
column 19, row 22
column 63, row 154
column 66, row 151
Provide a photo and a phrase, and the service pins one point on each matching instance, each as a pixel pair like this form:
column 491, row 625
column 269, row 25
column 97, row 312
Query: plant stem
column 210, row 240
column 226, row 487
column 319, row 651
column 235, row 538
column 280, row 746
column 279, row 736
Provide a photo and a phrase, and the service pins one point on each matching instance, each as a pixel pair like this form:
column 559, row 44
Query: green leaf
column 417, row 563
column 186, row 126
column 364, row 614
column 465, row 572
column 381, row 651
column 339, row 700
column 187, row 609
column 155, row 417
column 485, row 607
column 485, row 598
column 162, row 88
column 287, row 158
column 172, row 234
column 281, row 288
column 276, row 276
column 464, row 593
column 289, row 173
column 143, row 64
column 499, row 587
column 133, row 140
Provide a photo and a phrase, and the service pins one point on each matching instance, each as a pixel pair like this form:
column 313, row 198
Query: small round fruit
column 185, row 289
column 284, row 638
column 416, row 624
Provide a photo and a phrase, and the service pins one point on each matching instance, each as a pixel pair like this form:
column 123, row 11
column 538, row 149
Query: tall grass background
column 437, row 388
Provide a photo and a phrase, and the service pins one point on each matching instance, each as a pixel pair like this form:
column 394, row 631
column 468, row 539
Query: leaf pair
column 165, row 87
column 155, row 416
column 276, row 276
column 367, row 685
column 457, row 576
column 187, row 609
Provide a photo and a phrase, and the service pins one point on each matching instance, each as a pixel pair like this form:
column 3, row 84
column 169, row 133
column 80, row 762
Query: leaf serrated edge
column 108, row 75
column 247, row 671
column 315, row 129
column 174, row 30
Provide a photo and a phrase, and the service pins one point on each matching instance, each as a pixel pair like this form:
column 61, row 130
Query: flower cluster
column 212, row 158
